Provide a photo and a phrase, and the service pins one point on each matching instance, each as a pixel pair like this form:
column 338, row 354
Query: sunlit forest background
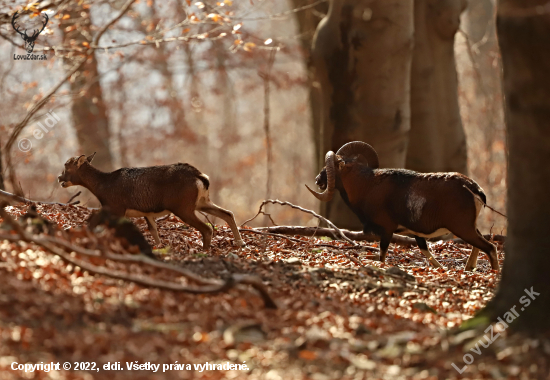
column 204, row 101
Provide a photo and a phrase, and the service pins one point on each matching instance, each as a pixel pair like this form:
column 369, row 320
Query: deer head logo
column 29, row 40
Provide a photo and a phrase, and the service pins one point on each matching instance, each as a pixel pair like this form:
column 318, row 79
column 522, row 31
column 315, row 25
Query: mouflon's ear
column 80, row 161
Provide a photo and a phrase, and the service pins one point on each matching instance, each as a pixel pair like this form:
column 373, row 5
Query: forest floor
column 334, row 319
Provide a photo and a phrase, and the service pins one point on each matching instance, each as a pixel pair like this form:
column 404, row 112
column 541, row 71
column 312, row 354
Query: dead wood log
column 329, row 232
column 13, row 198
column 357, row 235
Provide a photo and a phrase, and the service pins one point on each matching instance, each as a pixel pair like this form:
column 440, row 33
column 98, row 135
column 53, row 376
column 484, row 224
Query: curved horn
column 327, row 195
column 359, row 147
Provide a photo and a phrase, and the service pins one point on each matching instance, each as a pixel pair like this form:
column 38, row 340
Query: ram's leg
column 476, row 240
column 153, row 228
column 423, row 245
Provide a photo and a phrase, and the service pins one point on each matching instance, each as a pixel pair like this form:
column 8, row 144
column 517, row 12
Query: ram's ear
column 91, row 157
column 80, row 161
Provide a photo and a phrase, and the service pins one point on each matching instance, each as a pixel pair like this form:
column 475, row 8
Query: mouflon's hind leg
column 476, row 240
column 423, row 245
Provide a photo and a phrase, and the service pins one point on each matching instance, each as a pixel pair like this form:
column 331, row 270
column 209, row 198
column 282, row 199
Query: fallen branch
column 12, row 198
column 357, row 235
column 328, row 232
column 9, row 197
column 210, row 285
column 276, row 201
column 260, row 231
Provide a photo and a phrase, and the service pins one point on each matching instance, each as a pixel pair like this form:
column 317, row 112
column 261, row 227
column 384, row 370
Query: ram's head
column 353, row 151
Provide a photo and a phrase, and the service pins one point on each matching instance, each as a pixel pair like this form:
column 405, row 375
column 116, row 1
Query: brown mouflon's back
column 140, row 187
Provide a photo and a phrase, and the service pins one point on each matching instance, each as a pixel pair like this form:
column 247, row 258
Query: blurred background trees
column 185, row 81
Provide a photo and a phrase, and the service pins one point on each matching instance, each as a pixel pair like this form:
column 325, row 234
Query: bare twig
column 258, row 214
column 73, row 197
column 276, row 201
column 16, row 198
column 282, row 203
column 99, row 34
column 282, row 14
column 38, row 105
column 23, row 123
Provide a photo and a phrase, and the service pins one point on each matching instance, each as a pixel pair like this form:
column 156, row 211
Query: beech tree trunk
column 88, row 109
column 174, row 103
column 483, row 107
column 524, row 37
column 437, row 141
column 362, row 54
column 2, row 185
column 308, row 20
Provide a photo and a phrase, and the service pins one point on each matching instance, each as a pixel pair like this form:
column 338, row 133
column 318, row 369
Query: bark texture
column 2, row 185
column 437, row 141
column 524, row 37
column 308, row 20
column 89, row 113
column 362, row 53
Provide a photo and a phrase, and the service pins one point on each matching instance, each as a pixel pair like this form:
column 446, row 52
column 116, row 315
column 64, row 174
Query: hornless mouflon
column 151, row 192
column 389, row 201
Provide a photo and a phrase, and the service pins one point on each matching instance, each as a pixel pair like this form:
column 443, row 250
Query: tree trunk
column 308, row 20
column 483, row 106
column 437, row 141
column 2, row 185
column 88, row 109
column 524, row 37
column 174, row 103
column 362, row 55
